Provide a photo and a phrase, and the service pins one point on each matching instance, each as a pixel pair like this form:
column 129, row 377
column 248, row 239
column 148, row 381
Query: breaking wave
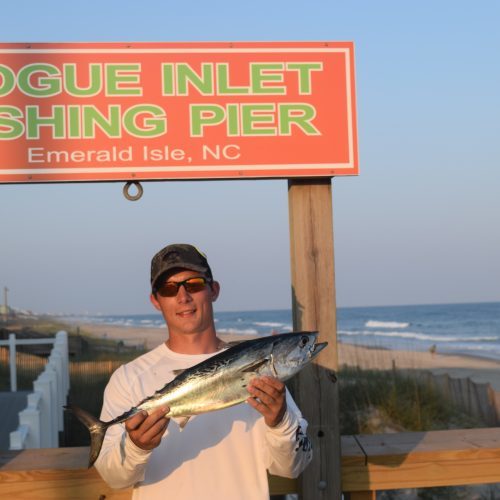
column 418, row 336
column 385, row 324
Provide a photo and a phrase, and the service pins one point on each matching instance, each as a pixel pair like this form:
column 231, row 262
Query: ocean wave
column 246, row 331
column 477, row 350
column 478, row 347
column 270, row 324
column 275, row 326
column 385, row 324
column 417, row 336
column 160, row 323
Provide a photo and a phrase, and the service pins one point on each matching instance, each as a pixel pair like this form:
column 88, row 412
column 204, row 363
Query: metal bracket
column 137, row 195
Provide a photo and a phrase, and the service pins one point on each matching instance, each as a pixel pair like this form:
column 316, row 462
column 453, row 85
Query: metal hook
column 132, row 197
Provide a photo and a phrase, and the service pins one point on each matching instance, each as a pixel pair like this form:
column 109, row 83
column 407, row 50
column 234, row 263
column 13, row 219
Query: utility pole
column 5, row 309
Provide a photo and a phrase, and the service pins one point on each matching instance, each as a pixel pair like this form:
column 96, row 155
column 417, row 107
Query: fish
column 218, row 382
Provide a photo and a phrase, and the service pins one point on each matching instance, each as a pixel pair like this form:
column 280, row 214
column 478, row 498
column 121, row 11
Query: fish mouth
column 317, row 348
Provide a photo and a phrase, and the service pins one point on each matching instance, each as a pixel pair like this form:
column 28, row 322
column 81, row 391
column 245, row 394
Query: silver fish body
column 218, row 382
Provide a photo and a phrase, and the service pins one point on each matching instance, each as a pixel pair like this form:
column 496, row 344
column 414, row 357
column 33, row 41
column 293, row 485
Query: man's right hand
column 145, row 430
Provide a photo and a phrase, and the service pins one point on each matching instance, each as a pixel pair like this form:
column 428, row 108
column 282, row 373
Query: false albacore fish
column 218, row 382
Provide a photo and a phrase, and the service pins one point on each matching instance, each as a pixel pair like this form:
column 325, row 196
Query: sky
column 419, row 225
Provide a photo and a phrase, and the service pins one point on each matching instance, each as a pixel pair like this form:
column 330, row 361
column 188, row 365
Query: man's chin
column 188, row 329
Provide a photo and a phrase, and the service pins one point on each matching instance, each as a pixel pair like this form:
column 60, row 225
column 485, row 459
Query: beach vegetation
column 379, row 401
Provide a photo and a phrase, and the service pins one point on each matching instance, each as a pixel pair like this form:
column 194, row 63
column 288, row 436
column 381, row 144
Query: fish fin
column 178, row 372
column 252, row 367
column 183, row 421
column 233, row 343
column 273, row 367
column 96, row 427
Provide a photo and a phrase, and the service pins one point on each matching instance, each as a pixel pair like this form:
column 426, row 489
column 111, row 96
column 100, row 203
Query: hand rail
column 419, row 459
column 370, row 463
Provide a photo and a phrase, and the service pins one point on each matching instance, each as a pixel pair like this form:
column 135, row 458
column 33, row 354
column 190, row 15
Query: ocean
column 468, row 329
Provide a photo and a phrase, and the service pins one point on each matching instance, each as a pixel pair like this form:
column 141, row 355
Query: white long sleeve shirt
column 221, row 454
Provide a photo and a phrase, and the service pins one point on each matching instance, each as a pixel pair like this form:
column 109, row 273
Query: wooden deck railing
column 419, row 459
column 369, row 463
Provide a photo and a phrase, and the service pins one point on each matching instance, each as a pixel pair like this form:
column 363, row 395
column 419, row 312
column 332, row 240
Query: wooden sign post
column 313, row 301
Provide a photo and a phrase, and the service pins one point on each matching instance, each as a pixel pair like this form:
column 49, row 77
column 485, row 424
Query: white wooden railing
column 42, row 419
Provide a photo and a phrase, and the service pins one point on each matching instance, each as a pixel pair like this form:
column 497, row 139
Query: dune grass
column 373, row 401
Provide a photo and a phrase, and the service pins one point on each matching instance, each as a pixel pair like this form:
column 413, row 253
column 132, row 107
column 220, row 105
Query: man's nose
column 183, row 295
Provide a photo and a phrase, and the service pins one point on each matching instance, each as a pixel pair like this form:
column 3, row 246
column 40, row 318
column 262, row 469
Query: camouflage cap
column 178, row 256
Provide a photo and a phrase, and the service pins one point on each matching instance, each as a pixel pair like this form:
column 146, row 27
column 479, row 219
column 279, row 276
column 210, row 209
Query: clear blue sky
column 419, row 225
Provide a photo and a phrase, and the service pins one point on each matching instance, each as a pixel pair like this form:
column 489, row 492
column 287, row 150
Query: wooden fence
column 23, row 358
column 93, row 369
column 471, row 392
column 31, row 365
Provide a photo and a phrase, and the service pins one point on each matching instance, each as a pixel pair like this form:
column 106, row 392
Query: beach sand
column 478, row 369
column 149, row 337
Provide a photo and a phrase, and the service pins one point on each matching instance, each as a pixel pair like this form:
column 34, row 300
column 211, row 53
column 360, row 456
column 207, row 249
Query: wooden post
column 13, row 362
column 313, row 300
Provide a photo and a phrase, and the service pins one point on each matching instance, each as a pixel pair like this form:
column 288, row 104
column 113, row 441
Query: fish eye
column 303, row 341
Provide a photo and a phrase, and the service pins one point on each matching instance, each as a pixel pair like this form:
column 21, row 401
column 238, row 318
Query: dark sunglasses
column 191, row 285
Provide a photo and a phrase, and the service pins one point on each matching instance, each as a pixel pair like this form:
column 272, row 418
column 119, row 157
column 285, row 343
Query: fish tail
column 97, row 430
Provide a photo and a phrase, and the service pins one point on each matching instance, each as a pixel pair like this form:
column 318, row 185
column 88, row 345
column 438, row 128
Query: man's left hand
column 268, row 398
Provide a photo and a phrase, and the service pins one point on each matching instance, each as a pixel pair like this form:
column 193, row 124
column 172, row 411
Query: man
column 221, row 454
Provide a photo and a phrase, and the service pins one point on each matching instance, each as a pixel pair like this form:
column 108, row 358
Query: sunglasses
column 191, row 285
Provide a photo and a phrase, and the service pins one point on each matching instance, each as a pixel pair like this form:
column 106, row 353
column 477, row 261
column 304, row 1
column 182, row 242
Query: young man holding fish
column 219, row 454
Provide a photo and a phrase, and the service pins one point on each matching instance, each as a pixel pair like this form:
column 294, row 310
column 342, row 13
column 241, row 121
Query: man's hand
column 145, row 430
column 271, row 402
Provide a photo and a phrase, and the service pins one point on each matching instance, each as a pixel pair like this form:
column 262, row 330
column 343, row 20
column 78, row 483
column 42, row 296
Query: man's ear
column 215, row 290
column 155, row 302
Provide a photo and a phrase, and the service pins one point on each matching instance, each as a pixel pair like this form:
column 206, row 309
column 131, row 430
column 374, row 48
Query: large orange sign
column 97, row 112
